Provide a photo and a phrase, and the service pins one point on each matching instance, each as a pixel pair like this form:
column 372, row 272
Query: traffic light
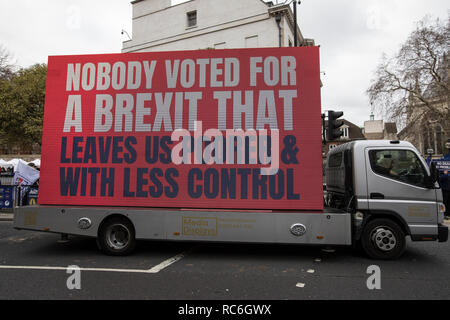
column 334, row 124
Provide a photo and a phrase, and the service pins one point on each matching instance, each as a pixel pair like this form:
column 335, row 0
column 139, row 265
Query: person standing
column 444, row 182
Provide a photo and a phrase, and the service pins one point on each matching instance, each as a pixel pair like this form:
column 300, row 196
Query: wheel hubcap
column 118, row 236
column 384, row 239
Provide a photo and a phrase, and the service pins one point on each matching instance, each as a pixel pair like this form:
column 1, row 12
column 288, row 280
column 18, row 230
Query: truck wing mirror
column 433, row 177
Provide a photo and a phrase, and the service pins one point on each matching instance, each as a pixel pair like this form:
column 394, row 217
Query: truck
column 218, row 146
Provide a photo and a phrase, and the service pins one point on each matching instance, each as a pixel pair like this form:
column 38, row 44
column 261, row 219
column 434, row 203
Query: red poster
column 234, row 129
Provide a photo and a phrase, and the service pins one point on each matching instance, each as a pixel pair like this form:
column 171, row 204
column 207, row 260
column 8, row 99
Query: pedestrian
column 446, row 195
column 444, row 182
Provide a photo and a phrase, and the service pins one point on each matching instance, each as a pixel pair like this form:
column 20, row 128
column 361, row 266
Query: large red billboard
column 229, row 129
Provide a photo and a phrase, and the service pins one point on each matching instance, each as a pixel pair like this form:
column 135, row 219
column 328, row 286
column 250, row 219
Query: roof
column 354, row 132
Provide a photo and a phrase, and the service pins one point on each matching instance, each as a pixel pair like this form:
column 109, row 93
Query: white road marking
column 310, row 271
column 300, row 285
column 81, row 269
column 168, row 262
column 154, row 269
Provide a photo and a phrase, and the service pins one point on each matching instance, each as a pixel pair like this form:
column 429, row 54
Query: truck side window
column 401, row 165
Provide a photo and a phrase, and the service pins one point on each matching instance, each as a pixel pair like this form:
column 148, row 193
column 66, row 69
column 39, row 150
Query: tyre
column 383, row 239
column 116, row 237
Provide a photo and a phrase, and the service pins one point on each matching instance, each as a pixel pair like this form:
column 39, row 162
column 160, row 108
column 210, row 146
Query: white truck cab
column 390, row 190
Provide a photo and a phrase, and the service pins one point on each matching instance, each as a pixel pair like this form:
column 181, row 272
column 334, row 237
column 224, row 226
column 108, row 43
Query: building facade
column 211, row 24
column 427, row 131
column 379, row 130
column 350, row 132
column 428, row 119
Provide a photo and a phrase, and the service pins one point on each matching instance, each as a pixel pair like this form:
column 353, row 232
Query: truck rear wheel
column 383, row 239
column 116, row 237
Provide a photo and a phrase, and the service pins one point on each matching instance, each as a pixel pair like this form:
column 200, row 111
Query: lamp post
column 124, row 32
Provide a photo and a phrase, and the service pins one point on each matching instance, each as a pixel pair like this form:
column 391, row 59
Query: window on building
column 426, row 141
column 439, row 144
column 432, row 138
column 191, row 19
column 345, row 132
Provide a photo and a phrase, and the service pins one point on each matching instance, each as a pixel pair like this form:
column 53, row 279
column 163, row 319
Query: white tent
column 15, row 163
column 4, row 163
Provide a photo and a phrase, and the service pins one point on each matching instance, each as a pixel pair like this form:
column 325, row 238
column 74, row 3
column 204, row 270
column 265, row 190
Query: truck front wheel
column 383, row 239
column 116, row 237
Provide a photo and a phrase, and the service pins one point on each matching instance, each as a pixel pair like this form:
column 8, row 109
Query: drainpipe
column 278, row 20
column 295, row 24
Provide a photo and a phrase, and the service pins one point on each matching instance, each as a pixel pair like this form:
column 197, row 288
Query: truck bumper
column 442, row 233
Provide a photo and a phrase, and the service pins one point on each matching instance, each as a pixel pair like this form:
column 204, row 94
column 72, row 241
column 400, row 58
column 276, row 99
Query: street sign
column 6, row 197
column 32, row 196
column 442, row 165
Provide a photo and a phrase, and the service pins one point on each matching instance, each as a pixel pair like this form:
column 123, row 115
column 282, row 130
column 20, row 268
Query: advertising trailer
column 207, row 145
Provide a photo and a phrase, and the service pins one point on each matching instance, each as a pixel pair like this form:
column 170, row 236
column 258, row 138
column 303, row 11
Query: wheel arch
column 386, row 214
column 113, row 216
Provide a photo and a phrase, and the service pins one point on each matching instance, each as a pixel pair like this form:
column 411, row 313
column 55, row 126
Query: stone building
column 378, row 130
column 428, row 131
column 428, row 127
column 390, row 131
column 211, row 24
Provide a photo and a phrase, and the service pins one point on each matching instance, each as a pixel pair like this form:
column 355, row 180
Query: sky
column 352, row 34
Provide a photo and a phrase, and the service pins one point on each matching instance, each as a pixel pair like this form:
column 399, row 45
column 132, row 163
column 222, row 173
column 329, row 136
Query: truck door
column 396, row 184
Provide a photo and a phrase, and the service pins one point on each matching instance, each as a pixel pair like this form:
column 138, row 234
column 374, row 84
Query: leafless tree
column 6, row 65
column 417, row 77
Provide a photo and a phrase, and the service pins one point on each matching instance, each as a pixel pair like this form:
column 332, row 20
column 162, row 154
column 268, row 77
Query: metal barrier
column 12, row 196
